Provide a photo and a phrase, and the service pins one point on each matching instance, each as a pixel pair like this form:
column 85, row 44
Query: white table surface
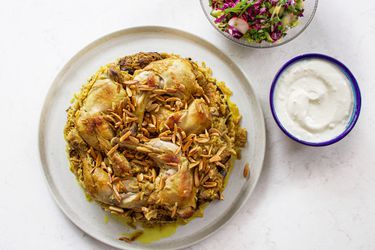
column 307, row 198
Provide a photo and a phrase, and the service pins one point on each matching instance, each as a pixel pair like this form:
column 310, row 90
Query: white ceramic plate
column 89, row 216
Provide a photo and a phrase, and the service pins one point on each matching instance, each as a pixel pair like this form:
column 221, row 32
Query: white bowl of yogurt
column 315, row 100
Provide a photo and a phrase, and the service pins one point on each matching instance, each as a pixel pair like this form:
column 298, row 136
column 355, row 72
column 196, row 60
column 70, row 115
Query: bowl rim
column 256, row 45
column 355, row 89
column 41, row 138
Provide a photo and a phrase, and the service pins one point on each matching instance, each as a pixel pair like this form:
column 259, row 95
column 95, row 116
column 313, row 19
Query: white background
column 307, row 198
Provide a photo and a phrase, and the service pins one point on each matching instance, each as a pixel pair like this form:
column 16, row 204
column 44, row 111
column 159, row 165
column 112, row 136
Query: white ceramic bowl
column 310, row 8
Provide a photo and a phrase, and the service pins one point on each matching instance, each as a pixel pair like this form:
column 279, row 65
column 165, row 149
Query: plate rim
column 54, row 86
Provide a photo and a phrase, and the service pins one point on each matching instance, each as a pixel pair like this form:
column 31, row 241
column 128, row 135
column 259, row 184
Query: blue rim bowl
column 355, row 89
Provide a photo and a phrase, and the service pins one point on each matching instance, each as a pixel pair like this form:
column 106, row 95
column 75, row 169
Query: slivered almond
column 194, row 164
column 143, row 149
column 125, row 136
column 129, row 91
column 166, row 138
column 161, row 183
column 215, row 158
column 206, row 99
column 202, row 140
column 130, row 82
column 209, row 184
column 133, row 139
column 221, row 150
column 246, row 170
column 116, row 209
column 112, row 150
column 187, row 145
column 172, row 164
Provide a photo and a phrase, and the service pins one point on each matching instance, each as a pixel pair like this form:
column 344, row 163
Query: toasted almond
column 125, row 136
column 132, row 106
column 159, row 91
column 210, row 184
column 129, row 91
column 246, row 170
column 202, row 140
column 130, row 119
column 173, row 99
column 130, row 82
column 206, row 99
column 133, row 139
column 174, row 210
column 109, row 170
column 143, row 149
column 112, row 150
column 215, row 158
column 116, row 209
column 98, row 160
column 161, row 183
column 221, row 150
column 183, row 134
column 193, row 164
column 117, row 195
column 201, row 165
column 194, row 150
column 214, row 131
column 166, row 138
column 165, row 133
column 172, row 164
column 153, row 175
column 117, row 116
column 172, row 90
column 187, row 145
column 129, row 113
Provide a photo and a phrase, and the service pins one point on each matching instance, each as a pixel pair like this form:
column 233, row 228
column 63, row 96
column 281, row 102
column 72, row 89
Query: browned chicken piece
column 193, row 120
column 91, row 124
column 138, row 61
column 96, row 182
column 174, row 75
column 179, row 186
column 197, row 118
column 178, row 189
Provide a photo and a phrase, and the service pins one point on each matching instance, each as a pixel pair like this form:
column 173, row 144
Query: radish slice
column 240, row 24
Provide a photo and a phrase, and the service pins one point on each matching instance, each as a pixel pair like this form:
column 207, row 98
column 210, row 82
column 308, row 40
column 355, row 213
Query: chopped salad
column 257, row 20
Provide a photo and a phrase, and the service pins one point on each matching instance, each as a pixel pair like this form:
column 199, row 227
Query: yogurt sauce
column 313, row 100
